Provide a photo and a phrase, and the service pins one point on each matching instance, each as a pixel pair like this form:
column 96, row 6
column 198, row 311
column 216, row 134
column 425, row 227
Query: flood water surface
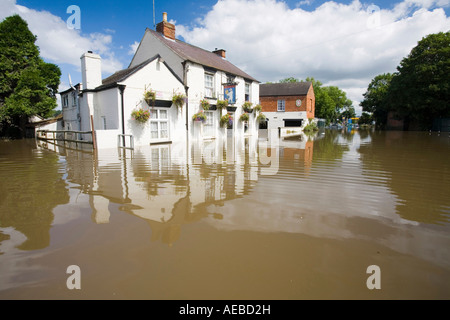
column 302, row 219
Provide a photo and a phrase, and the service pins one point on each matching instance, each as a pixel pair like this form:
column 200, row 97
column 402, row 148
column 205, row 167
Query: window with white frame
column 247, row 91
column 159, row 124
column 208, row 128
column 209, row 85
column 281, row 105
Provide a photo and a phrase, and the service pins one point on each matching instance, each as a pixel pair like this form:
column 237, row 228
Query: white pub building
column 162, row 68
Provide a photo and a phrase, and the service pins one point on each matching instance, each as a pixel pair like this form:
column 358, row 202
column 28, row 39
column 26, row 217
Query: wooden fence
column 66, row 136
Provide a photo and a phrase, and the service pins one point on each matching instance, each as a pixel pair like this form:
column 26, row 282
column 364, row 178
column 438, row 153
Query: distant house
column 165, row 66
column 287, row 104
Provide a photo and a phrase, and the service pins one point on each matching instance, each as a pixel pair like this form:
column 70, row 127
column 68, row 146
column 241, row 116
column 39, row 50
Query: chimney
column 220, row 52
column 91, row 70
column 167, row 29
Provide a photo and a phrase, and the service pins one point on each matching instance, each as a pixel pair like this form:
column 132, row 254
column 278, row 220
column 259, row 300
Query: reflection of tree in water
column 364, row 133
column 348, row 134
column 3, row 237
column 30, row 190
column 327, row 147
column 418, row 168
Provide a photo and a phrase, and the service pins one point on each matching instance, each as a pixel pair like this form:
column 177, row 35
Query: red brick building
column 287, row 104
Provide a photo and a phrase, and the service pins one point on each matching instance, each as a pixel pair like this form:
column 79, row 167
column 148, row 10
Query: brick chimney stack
column 220, row 52
column 165, row 28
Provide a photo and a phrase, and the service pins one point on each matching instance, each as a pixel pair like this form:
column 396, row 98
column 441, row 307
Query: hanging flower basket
column 149, row 97
column 244, row 117
column 247, row 107
column 205, row 104
column 221, row 104
column 199, row 116
column 226, row 120
column 261, row 118
column 257, row 108
column 178, row 99
column 140, row 115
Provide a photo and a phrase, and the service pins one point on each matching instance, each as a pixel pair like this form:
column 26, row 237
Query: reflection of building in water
column 169, row 184
column 298, row 148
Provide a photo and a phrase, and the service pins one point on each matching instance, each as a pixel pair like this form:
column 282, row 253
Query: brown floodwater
column 219, row 220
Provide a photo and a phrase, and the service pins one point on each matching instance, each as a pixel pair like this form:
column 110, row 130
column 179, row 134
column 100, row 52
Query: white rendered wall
column 107, row 105
column 196, row 82
column 276, row 118
column 150, row 46
column 157, row 77
column 70, row 112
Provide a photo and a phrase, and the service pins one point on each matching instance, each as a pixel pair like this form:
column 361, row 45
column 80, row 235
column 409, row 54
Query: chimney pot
column 166, row 28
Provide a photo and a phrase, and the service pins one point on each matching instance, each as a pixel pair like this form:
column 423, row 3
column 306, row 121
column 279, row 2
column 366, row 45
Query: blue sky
column 343, row 43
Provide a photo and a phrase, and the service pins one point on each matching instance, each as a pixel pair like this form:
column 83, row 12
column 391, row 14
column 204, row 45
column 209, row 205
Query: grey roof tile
column 201, row 56
column 284, row 89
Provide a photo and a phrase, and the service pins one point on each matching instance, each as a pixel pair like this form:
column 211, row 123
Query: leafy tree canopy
column 376, row 98
column 331, row 102
column 288, row 80
column 28, row 85
column 419, row 91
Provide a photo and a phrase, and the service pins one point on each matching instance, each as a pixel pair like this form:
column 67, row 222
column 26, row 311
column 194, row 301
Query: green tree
column 342, row 105
column 376, row 98
column 28, row 85
column 420, row 90
column 365, row 118
column 347, row 113
column 289, row 80
column 330, row 101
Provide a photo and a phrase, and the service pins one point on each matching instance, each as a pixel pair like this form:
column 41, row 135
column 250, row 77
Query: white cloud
column 305, row 2
column 133, row 48
column 59, row 44
column 335, row 43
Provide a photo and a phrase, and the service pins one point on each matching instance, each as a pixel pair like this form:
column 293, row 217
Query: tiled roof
column 201, row 56
column 284, row 89
column 125, row 73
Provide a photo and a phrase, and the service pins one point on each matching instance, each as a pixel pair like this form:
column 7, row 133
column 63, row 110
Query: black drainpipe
column 186, row 88
column 122, row 89
column 187, row 107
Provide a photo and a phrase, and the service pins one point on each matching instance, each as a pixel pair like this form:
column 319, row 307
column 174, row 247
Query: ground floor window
column 263, row 124
column 293, row 122
column 209, row 125
column 159, row 124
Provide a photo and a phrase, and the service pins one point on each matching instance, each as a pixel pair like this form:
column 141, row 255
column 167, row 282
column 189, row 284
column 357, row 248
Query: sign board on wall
column 229, row 93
